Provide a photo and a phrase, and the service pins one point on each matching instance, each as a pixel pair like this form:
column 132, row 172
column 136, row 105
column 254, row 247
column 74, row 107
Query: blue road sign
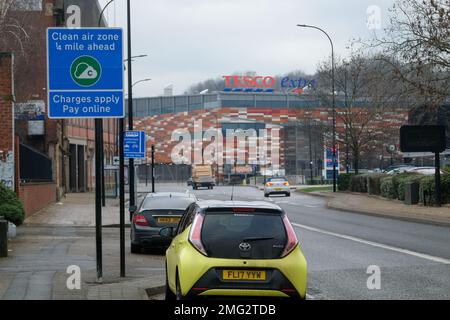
column 134, row 144
column 85, row 73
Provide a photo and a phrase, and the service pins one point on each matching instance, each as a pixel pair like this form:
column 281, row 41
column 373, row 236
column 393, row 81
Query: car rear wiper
column 257, row 239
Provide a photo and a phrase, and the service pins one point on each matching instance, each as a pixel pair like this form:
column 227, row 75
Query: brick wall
column 6, row 116
column 6, row 93
column 36, row 196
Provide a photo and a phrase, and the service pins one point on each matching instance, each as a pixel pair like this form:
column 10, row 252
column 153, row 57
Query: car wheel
column 169, row 295
column 266, row 195
column 288, row 194
column 135, row 248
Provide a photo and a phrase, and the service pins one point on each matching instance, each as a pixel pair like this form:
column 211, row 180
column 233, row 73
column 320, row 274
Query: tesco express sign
column 263, row 83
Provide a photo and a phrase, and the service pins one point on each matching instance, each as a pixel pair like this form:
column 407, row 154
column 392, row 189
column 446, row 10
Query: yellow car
column 231, row 248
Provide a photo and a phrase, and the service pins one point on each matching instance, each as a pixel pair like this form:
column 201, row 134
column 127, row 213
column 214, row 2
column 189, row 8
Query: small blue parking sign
column 134, row 144
column 85, row 73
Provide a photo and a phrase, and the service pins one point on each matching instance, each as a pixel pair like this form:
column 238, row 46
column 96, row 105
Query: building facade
column 67, row 145
column 303, row 121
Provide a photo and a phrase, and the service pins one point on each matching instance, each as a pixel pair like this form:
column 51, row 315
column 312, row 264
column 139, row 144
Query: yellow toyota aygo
column 234, row 249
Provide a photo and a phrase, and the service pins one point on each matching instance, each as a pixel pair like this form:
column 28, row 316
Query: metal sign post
column 153, row 169
column 426, row 139
column 85, row 80
column 134, row 147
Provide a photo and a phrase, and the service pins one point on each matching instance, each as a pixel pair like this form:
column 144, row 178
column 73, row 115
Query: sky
column 188, row 41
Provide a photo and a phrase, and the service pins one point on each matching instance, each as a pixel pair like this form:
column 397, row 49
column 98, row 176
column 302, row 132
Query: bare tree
column 364, row 93
column 12, row 31
column 417, row 42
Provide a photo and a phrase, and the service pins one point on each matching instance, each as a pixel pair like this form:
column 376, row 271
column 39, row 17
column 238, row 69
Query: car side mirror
column 168, row 232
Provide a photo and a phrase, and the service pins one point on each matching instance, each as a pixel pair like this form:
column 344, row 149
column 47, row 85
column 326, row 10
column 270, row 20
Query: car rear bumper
column 282, row 190
column 198, row 275
column 150, row 238
column 275, row 285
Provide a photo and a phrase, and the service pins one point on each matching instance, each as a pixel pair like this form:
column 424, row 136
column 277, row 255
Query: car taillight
column 195, row 234
column 140, row 220
column 286, row 184
column 269, row 184
column 292, row 240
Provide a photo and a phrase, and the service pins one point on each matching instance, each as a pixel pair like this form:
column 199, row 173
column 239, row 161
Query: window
column 187, row 219
column 223, row 232
column 154, row 106
column 167, row 105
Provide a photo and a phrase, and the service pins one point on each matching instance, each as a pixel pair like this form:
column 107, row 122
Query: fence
column 164, row 173
column 34, row 166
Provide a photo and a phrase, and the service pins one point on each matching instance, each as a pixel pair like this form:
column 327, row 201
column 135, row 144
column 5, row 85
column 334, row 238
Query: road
column 413, row 258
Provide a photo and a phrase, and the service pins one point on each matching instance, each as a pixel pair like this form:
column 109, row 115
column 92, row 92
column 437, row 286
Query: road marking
column 309, row 206
column 375, row 244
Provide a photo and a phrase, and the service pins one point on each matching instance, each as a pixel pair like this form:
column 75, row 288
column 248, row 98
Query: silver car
column 277, row 185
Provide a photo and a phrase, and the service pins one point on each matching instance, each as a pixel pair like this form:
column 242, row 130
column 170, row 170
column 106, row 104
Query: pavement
column 63, row 235
column 375, row 205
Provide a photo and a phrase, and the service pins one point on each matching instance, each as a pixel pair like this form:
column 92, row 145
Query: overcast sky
column 188, row 41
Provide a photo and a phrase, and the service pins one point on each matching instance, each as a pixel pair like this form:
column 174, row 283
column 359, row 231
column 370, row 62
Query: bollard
column 3, row 238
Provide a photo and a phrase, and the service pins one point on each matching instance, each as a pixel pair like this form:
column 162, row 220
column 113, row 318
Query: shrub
column 403, row 180
column 391, row 187
column 374, row 183
column 344, row 181
column 10, row 206
column 387, row 188
column 358, row 183
column 427, row 190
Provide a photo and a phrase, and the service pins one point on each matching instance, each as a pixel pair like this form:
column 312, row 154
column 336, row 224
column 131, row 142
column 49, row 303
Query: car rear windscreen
column 277, row 180
column 244, row 235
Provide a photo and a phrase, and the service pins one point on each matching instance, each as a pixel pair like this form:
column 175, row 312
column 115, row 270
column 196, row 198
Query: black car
column 157, row 211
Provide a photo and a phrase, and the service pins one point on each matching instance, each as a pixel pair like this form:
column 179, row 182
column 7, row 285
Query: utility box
column 3, row 238
column 411, row 193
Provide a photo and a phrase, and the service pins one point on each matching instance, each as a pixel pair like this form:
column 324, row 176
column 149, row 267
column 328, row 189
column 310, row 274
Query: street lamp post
column 347, row 151
column 134, row 57
column 130, row 106
column 143, row 80
column 334, row 99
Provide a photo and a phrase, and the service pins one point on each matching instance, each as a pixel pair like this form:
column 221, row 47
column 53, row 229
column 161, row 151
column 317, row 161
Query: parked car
column 425, row 170
column 190, row 182
column 157, row 211
column 398, row 168
column 234, row 248
column 277, row 185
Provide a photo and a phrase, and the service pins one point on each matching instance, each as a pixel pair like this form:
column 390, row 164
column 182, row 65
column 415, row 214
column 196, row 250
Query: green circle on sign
column 85, row 71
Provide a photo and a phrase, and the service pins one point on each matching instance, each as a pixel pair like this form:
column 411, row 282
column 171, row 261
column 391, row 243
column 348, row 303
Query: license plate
column 244, row 275
column 278, row 189
column 168, row 220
